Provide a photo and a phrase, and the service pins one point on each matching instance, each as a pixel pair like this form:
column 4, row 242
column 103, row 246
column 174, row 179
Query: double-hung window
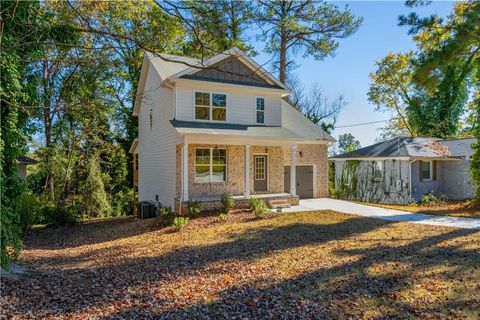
column 260, row 110
column 210, row 165
column 426, row 170
column 210, row 106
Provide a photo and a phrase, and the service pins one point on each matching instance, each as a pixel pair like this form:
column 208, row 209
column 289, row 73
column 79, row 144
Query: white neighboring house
column 223, row 126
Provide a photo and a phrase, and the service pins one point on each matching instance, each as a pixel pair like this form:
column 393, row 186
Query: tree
column 391, row 90
column 93, row 191
column 347, row 143
column 308, row 27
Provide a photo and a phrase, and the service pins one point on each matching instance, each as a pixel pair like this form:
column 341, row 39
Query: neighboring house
column 22, row 163
column 404, row 169
column 224, row 127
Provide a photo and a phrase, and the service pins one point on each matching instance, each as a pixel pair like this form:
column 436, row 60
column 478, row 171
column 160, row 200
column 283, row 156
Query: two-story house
column 223, row 126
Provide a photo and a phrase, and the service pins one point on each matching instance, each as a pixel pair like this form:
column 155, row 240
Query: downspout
column 410, row 182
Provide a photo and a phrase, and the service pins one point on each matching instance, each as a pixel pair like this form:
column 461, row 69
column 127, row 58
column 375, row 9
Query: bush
column 179, row 223
column 223, row 216
column 123, row 203
column 167, row 215
column 29, row 208
column 431, row 198
column 193, row 208
column 258, row 206
column 227, row 202
column 59, row 215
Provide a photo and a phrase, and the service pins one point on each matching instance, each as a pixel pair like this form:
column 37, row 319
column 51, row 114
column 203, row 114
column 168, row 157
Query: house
column 22, row 163
column 402, row 170
column 222, row 126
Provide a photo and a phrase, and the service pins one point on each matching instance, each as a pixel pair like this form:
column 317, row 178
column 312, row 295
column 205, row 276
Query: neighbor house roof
column 417, row 147
column 26, row 160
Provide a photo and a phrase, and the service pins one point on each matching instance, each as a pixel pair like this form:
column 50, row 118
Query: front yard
column 301, row 265
column 464, row 209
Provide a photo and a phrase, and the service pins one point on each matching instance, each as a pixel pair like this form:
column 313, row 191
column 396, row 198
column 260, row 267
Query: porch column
column 247, row 171
column 185, row 169
column 293, row 170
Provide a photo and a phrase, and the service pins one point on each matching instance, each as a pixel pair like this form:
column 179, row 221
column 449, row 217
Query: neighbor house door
column 260, row 179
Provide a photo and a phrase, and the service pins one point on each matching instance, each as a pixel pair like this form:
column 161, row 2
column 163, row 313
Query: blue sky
column 347, row 73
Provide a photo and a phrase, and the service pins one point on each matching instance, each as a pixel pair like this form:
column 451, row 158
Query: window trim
column 210, row 165
column 210, row 107
column 256, row 111
column 430, row 178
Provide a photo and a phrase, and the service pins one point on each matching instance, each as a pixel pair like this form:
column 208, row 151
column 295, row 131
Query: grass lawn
column 305, row 265
column 465, row 209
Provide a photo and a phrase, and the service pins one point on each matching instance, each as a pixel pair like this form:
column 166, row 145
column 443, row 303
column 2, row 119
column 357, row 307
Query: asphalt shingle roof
column 418, row 147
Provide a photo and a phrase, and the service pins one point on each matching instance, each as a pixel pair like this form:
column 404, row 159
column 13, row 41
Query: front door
column 260, row 172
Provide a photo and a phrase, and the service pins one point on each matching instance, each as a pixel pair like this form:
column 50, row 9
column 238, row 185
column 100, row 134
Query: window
column 260, row 168
column 260, row 108
column 210, row 106
column 377, row 169
column 210, row 165
column 426, row 170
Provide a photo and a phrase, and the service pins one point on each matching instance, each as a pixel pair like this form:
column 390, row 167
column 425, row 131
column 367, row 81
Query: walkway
column 385, row 214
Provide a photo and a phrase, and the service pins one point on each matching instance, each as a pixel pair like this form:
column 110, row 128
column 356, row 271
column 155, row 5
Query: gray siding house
column 402, row 170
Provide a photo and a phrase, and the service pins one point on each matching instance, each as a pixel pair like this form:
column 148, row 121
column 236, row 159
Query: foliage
column 179, row 223
column 258, row 206
column 227, row 202
column 29, row 209
column 194, row 208
column 95, row 197
column 311, row 28
column 59, row 215
column 432, row 199
column 347, row 143
column 167, row 215
column 348, row 185
column 223, row 216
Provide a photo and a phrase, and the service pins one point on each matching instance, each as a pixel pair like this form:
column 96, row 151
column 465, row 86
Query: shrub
column 179, row 223
column 258, row 206
column 193, row 208
column 167, row 215
column 29, row 208
column 227, row 202
column 223, row 216
column 431, row 198
column 59, row 215
column 123, row 203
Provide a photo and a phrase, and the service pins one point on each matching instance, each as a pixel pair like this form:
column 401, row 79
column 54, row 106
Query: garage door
column 304, row 177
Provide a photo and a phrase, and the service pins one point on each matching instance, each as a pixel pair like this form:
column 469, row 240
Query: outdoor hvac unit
column 147, row 210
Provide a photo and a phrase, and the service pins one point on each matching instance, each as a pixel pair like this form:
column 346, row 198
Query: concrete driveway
column 385, row 214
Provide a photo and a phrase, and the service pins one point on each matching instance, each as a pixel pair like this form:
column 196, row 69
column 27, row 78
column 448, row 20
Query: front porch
column 212, row 203
column 207, row 169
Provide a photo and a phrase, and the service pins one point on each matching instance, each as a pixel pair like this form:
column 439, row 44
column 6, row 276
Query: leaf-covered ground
column 308, row 265
column 465, row 209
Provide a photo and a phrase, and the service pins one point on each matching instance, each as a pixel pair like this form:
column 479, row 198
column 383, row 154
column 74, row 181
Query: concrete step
column 279, row 203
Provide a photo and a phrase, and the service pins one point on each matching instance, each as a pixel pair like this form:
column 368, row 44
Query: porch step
column 279, row 203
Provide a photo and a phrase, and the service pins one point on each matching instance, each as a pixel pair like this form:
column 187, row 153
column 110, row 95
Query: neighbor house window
column 210, row 165
column 210, row 106
column 426, row 170
column 260, row 108
column 378, row 169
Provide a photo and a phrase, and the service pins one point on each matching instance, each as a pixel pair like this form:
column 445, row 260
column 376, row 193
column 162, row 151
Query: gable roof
column 416, row 147
column 26, row 160
column 234, row 52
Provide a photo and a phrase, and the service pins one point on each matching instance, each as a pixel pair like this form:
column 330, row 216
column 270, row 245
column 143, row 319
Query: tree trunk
column 283, row 45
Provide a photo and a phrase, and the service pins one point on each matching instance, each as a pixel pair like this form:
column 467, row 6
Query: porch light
column 300, row 153
column 266, row 149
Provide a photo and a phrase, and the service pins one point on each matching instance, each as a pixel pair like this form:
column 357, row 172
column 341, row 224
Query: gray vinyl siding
column 156, row 149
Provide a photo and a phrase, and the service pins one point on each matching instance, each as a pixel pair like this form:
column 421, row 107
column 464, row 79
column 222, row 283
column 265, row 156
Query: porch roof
column 236, row 130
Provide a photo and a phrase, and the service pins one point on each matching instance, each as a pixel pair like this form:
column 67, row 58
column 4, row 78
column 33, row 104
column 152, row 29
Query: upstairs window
column 210, row 106
column 260, row 108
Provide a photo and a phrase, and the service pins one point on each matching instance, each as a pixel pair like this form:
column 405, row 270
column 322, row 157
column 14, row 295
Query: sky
column 348, row 72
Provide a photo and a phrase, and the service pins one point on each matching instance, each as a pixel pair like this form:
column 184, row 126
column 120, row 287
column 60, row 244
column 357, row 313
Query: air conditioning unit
column 147, row 209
